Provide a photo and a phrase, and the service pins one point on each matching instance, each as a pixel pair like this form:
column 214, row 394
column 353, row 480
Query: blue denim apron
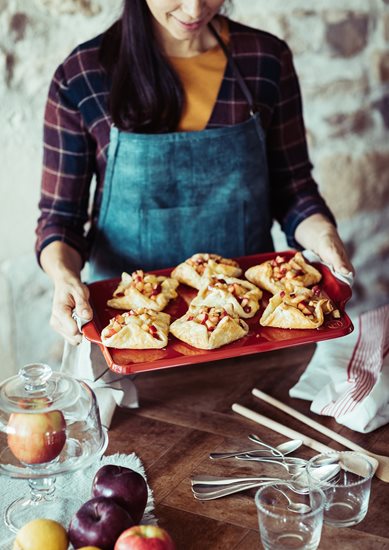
column 168, row 196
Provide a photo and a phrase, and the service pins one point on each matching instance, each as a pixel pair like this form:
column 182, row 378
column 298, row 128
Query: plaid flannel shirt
column 77, row 127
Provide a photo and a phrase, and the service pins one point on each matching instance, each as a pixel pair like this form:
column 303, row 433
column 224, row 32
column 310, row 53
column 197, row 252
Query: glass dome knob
column 35, row 376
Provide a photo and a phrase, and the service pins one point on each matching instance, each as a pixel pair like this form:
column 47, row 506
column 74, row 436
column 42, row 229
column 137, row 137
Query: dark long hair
column 146, row 94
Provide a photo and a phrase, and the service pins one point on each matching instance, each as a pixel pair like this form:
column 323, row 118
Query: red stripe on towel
column 366, row 361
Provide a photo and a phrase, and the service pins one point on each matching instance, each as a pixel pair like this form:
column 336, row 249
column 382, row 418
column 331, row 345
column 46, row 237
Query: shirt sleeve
column 68, row 168
column 294, row 192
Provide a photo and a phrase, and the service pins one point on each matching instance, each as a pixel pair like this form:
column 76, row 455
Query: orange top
column 201, row 77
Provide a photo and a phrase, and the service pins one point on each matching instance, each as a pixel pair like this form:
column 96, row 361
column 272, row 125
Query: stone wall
column 342, row 57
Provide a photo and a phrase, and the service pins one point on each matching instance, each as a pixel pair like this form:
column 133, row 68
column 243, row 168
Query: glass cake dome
column 49, row 425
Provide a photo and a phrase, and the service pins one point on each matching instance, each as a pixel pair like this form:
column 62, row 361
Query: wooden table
column 185, row 413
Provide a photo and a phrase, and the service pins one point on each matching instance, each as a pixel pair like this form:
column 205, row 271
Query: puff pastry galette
column 280, row 274
column 199, row 266
column 219, row 290
column 304, row 308
column 137, row 329
column 143, row 290
column 209, row 327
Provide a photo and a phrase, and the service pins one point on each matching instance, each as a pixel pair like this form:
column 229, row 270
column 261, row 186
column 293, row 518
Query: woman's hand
column 317, row 233
column 62, row 264
column 70, row 294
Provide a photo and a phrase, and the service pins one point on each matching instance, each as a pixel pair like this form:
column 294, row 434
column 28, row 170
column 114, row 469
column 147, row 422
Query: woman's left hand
column 317, row 233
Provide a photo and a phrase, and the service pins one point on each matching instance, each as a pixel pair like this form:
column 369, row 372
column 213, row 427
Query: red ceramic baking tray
column 177, row 353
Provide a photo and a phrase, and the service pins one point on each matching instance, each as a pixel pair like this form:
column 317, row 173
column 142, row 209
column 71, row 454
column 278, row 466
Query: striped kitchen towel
column 348, row 378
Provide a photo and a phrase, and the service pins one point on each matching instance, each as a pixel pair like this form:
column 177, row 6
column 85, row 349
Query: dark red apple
column 99, row 522
column 126, row 486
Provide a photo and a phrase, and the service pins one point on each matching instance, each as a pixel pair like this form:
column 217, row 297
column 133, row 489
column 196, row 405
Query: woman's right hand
column 70, row 294
column 63, row 264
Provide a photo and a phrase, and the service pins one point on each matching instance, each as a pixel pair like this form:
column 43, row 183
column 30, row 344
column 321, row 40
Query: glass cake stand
column 49, row 425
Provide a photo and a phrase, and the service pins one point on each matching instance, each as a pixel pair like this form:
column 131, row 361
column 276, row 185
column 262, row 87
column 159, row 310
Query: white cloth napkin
column 77, row 483
column 86, row 362
column 348, row 378
column 313, row 257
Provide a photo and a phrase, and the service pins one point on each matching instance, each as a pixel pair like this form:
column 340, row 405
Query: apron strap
column 238, row 75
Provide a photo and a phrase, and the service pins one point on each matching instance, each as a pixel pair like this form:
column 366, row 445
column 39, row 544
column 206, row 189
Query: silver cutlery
column 297, row 507
column 210, row 490
column 215, row 480
column 235, row 454
column 280, row 451
column 284, row 448
column 323, row 473
column 225, row 491
column 291, row 465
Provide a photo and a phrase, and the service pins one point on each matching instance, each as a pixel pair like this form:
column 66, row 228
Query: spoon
column 236, row 454
column 297, row 507
column 279, row 451
column 285, row 448
column 291, row 465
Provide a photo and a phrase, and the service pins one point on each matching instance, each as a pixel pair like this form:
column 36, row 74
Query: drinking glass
column 280, row 526
column 347, row 495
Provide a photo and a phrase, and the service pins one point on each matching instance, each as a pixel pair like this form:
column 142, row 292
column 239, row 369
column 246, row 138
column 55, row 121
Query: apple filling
column 144, row 318
column 283, row 270
column 240, row 293
column 200, row 261
column 306, row 299
column 148, row 284
column 208, row 316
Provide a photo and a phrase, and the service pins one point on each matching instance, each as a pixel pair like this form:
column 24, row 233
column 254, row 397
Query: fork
column 206, row 492
column 291, row 465
column 326, row 472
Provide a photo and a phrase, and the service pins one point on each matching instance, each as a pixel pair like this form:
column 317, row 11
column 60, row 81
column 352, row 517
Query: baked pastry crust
column 279, row 274
column 209, row 327
column 201, row 266
column 300, row 309
column 143, row 290
column 137, row 329
column 219, row 290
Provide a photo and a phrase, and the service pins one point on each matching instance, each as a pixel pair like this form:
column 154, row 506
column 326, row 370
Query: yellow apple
column 41, row 534
column 35, row 438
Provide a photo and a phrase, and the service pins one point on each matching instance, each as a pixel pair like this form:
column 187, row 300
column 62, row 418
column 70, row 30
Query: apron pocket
column 171, row 235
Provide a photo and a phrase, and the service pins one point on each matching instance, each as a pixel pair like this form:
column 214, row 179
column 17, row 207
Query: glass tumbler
column 289, row 519
column 347, row 494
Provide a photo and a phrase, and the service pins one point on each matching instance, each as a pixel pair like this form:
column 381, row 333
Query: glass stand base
column 23, row 510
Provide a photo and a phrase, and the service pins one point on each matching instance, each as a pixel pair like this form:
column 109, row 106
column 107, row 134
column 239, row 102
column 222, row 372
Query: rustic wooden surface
column 185, row 414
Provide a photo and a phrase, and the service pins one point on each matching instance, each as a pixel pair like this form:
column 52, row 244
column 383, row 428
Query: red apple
column 35, row 438
column 124, row 485
column 98, row 522
column 145, row 537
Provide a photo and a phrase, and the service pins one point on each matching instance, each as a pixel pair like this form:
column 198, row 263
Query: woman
column 192, row 125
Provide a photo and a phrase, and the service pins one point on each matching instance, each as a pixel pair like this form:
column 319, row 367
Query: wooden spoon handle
column 280, row 428
column 311, row 423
